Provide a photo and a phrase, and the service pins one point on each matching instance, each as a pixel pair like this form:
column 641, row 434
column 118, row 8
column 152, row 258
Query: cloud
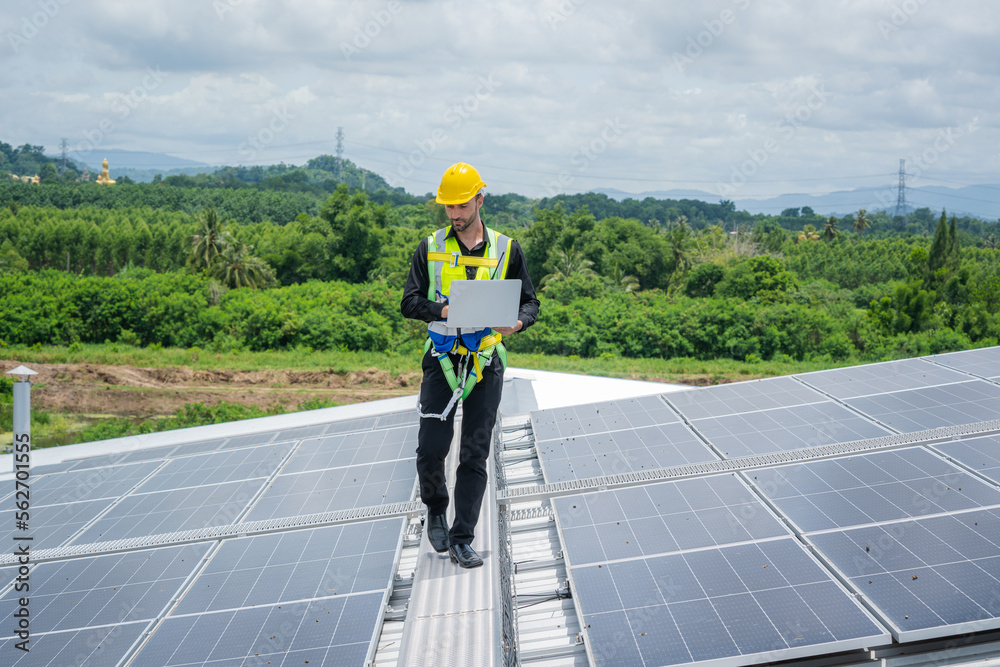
column 694, row 86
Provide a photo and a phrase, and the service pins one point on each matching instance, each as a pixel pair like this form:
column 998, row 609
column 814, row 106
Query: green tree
column 49, row 174
column 356, row 234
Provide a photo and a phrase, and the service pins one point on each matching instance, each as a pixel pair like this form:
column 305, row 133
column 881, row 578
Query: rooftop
column 841, row 517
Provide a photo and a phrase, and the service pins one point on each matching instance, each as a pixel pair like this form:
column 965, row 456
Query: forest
column 315, row 257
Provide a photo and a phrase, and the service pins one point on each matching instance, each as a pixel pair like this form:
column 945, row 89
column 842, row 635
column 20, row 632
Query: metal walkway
column 451, row 618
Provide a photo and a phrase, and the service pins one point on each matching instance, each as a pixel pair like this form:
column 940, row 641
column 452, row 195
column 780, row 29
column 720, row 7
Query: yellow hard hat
column 459, row 184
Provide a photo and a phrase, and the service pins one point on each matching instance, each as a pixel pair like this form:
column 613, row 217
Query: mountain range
column 980, row 201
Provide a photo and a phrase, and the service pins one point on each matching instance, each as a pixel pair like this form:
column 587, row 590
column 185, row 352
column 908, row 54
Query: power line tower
column 64, row 147
column 340, row 153
column 901, row 197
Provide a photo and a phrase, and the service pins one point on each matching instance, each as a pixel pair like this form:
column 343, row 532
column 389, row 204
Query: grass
column 683, row 370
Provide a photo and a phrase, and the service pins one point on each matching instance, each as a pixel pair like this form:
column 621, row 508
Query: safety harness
column 446, row 263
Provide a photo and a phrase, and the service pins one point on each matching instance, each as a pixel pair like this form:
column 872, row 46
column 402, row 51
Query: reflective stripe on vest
column 445, row 261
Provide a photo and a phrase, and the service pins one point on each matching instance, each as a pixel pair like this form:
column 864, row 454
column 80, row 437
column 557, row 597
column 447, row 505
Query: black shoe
column 464, row 556
column 437, row 532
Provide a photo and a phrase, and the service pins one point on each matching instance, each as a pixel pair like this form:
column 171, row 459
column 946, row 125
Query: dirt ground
column 146, row 392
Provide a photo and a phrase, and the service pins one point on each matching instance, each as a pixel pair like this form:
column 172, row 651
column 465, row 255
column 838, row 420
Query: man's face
column 463, row 216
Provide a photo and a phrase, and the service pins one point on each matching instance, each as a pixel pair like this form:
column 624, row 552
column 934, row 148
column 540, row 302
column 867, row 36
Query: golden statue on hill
column 104, row 178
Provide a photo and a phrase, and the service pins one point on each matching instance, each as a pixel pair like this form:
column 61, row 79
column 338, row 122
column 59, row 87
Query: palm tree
column 210, row 240
column 618, row 281
column 235, row 267
column 830, row 230
column 861, row 222
column 681, row 243
column 565, row 263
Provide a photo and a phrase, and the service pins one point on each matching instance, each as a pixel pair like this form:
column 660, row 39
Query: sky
column 738, row 98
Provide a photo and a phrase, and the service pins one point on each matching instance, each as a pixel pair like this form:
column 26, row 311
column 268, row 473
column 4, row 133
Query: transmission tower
column 901, row 197
column 340, row 153
column 64, row 147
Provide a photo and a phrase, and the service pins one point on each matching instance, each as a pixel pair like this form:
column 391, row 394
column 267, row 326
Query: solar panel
column 761, row 602
column 300, row 433
column 251, row 440
column 693, row 570
column 335, row 451
column 218, row 467
column 878, row 487
column 172, row 511
column 173, row 451
column 351, row 425
column 391, row 420
column 751, row 396
column 632, row 450
column 101, row 590
column 54, row 525
column 601, row 417
column 783, row 429
column 881, row 378
column 984, row 362
column 91, row 484
column 979, row 454
column 928, row 577
column 933, row 407
column 106, row 645
column 297, row 565
column 662, row 518
column 336, row 489
column 330, row 631
column 303, row 596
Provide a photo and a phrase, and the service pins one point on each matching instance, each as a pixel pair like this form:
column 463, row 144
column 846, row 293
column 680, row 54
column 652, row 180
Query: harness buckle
column 454, row 258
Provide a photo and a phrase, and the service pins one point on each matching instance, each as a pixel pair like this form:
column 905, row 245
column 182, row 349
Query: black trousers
column 479, row 414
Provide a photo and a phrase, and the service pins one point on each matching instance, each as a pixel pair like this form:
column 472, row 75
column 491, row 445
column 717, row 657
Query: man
column 482, row 254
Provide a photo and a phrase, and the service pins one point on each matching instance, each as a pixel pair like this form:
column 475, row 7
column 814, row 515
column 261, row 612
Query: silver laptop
column 476, row 304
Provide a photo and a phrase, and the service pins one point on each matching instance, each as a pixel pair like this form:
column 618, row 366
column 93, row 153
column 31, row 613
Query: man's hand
column 506, row 331
column 444, row 312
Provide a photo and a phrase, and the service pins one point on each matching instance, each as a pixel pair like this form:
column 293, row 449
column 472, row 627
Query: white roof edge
column 51, row 455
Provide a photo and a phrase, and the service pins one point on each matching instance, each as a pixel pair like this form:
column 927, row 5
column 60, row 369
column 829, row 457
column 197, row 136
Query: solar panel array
column 784, row 560
column 295, row 595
